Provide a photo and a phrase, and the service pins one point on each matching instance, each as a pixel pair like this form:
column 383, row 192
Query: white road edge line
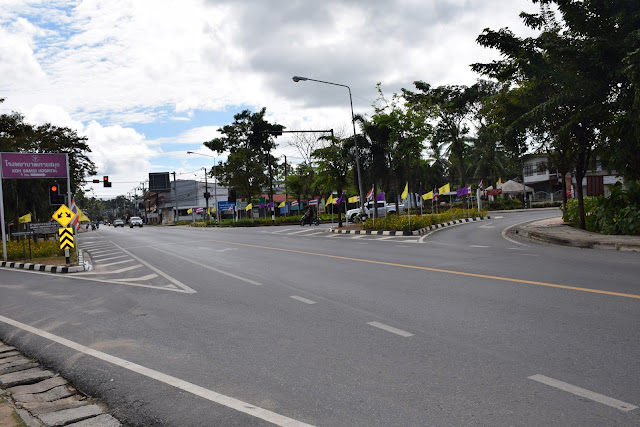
column 209, row 267
column 596, row 397
column 506, row 230
column 307, row 301
column 160, row 272
column 210, row 395
column 391, row 329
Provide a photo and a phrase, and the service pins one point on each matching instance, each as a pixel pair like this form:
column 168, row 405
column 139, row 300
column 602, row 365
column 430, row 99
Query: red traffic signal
column 55, row 198
column 105, row 181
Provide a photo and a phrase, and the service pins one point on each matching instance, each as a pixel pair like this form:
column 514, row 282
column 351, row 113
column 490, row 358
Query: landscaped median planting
column 20, row 250
column 416, row 222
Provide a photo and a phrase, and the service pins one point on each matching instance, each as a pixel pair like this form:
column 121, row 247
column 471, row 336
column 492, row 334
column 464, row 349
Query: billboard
column 33, row 165
column 159, row 181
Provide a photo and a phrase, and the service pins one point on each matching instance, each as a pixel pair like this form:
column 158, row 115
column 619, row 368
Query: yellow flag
column 353, row 199
column 25, row 218
column 427, row 196
column 189, row 210
column 329, row 200
column 82, row 216
column 405, row 193
column 282, row 205
column 249, row 207
column 499, row 182
column 444, row 189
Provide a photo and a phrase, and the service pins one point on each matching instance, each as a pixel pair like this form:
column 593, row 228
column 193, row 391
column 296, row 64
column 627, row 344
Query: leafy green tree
column 249, row 140
column 567, row 78
column 301, row 182
column 333, row 164
column 396, row 136
column 452, row 108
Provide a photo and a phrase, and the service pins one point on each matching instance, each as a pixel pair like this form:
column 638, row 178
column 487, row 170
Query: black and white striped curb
column 47, row 268
column 419, row 232
column 43, row 398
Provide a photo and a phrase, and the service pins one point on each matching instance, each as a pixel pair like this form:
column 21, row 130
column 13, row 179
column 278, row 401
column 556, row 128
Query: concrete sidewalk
column 555, row 231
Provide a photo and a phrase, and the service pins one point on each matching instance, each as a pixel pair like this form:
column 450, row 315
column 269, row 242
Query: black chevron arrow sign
column 66, row 245
column 66, row 238
column 65, row 232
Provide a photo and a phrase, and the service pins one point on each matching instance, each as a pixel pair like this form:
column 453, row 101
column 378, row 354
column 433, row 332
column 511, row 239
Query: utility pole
column 273, row 207
column 206, row 193
column 175, row 198
column 286, row 195
column 144, row 200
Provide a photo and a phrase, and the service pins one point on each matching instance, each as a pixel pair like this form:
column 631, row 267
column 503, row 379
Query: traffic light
column 105, row 181
column 55, row 198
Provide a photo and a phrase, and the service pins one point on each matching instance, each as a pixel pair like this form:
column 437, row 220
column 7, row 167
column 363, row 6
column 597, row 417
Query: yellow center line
column 437, row 270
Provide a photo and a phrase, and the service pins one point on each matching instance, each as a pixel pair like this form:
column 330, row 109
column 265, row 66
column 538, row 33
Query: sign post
column 30, row 166
column 64, row 216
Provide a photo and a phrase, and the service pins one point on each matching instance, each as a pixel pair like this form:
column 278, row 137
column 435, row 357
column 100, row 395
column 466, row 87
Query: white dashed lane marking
column 578, row 391
column 390, row 329
column 307, row 301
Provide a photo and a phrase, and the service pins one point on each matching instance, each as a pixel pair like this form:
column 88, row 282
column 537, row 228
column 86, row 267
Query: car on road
column 118, row 223
column 135, row 221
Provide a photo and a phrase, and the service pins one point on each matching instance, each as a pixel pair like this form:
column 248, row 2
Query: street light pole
column 215, row 183
column 206, row 193
column 353, row 122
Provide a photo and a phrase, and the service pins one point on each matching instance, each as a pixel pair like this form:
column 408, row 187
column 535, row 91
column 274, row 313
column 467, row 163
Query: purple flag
column 261, row 206
column 270, row 205
column 380, row 197
column 341, row 199
column 462, row 191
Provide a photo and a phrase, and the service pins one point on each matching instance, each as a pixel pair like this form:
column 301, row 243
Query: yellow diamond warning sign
column 64, row 215
column 66, row 238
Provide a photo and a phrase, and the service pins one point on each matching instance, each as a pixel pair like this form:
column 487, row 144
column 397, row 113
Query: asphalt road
column 290, row 325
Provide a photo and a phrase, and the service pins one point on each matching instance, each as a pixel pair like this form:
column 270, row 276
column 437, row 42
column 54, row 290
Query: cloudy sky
column 148, row 80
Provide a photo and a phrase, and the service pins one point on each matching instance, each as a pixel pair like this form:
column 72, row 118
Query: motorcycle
column 306, row 219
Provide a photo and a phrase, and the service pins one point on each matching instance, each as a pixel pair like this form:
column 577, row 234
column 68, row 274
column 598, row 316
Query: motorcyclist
column 308, row 216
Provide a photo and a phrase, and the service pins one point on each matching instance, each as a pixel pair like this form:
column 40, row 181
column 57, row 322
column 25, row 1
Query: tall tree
column 333, row 163
column 249, row 141
column 567, row 77
column 452, row 108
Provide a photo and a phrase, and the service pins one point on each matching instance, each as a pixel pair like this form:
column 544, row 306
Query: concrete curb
column 419, row 232
column 42, row 267
column 577, row 238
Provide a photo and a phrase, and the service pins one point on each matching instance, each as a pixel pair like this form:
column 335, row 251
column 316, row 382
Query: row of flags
column 433, row 195
column 356, row 199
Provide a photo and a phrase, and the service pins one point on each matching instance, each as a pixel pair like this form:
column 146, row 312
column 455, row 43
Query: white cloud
column 120, row 62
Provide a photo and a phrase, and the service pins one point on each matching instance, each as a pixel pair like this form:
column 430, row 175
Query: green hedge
column 617, row 214
column 41, row 249
column 401, row 222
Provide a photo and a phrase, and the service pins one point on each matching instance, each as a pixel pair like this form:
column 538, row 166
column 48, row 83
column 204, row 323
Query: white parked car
column 384, row 209
column 135, row 220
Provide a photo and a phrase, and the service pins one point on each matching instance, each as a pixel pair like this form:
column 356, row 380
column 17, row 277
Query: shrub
column 505, row 203
column 41, row 249
column 617, row 214
column 401, row 222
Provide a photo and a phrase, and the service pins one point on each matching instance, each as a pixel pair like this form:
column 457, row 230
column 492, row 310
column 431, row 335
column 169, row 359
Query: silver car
column 135, row 220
